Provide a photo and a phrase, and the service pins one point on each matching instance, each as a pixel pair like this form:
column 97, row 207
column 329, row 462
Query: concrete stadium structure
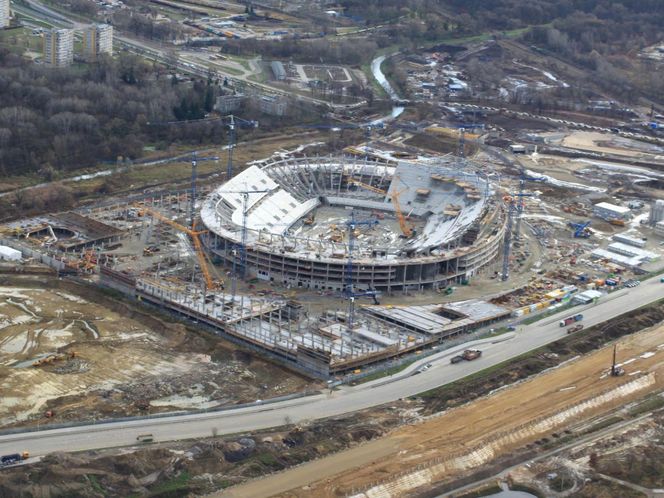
column 296, row 214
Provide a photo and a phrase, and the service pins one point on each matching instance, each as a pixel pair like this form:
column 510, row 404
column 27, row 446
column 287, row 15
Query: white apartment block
column 59, row 47
column 97, row 39
column 4, row 13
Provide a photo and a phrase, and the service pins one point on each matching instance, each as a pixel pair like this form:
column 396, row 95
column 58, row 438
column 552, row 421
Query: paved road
column 346, row 400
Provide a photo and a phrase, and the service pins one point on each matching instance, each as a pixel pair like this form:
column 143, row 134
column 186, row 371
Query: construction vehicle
column 576, row 328
column 616, row 371
column 51, row 358
column 13, row 458
column 467, row 355
column 210, row 284
column 403, row 224
column 618, row 223
column 571, row 319
column 581, row 230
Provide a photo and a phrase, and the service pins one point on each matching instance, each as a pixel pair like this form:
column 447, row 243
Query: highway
column 338, row 402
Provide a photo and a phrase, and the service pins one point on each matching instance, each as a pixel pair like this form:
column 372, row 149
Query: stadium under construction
column 292, row 233
column 414, row 224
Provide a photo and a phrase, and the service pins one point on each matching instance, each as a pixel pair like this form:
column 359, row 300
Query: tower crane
column 233, row 121
column 366, row 186
column 523, row 178
column 349, row 287
column 192, row 204
column 507, row 244
column 198, row 247
column 230, row 120
column 462, row 137
column 403, row 224
column 240, row 259
column 406, row 229
column 367, row 127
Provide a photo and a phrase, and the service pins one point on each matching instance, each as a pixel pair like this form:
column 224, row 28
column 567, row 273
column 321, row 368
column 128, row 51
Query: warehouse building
column 609, row 212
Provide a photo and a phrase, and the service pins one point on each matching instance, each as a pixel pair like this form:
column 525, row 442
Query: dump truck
column 571, row 319
column 467, row 355
column 576, row 328
column 14, row 458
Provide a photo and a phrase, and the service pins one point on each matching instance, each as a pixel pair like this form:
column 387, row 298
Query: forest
column 64, row 119
column 597, row 24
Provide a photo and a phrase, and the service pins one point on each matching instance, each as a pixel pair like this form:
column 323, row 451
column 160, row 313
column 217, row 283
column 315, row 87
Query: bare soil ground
column 179, row 469
column 465, row 438
column 603, row 142
column 110, row 359
column 626, row 462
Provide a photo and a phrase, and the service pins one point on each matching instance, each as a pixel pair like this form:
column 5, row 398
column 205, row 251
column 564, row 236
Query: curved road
column 345, row 400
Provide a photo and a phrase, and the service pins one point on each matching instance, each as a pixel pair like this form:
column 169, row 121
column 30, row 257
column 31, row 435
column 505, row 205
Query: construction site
column 305, row 259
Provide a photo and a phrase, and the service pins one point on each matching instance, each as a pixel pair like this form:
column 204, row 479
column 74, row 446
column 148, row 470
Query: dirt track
column 469, row 436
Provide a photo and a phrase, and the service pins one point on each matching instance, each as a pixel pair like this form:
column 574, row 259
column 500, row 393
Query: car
column 423, row 368
column 456, row 359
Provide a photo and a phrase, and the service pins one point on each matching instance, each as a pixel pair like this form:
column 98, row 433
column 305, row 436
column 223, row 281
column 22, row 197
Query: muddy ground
column 187, row 467
column 103, row 357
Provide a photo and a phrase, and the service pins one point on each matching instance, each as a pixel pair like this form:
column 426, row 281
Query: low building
column 275, row 106
column 59, row 47
column 9, row 254
column 278, row 70
column 626, row 239
column 609, row 212
column 586, row 297
column 228, row 103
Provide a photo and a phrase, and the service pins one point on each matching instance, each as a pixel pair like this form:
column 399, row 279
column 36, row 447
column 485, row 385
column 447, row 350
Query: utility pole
column 231, row 145
column 192, row 205
column 512, row 208
column 349, row 288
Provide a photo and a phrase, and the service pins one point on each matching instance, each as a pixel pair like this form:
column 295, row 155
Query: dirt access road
column 462, row 439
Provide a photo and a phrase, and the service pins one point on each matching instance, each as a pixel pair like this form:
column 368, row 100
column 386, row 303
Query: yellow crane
column 366, row 186
column 198, row 247
column 405, row 227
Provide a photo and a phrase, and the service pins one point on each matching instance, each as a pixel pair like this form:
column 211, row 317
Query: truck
column 467, row 355
column 145, row 438
column 576, row 328
column 571, row 319
column 13, row 458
